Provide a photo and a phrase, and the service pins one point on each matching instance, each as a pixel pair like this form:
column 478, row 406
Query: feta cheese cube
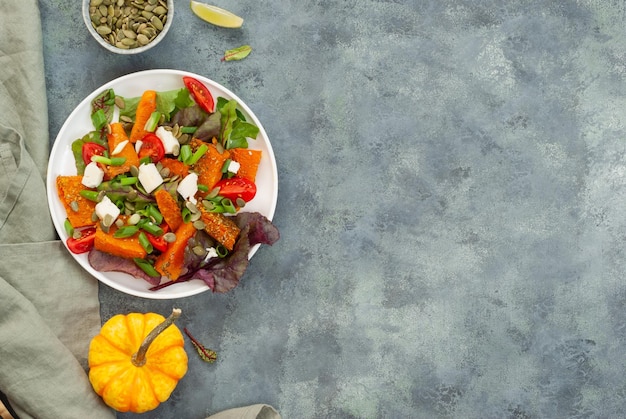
column 188, row 187
column 149, row 177
column 93, row 175
column 107, row 209
column 170, row 143
column 233, row 167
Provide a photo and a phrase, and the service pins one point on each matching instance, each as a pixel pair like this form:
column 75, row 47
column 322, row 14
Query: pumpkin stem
column 139, row 358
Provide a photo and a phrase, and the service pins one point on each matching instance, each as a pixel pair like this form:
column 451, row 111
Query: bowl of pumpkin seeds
column 128, row 26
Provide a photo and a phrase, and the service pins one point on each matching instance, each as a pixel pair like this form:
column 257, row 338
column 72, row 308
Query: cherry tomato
column 200, row 94
column 151, row 146
column 84, row 243
column 237, row 187
column 92, row 149
column 158, row 242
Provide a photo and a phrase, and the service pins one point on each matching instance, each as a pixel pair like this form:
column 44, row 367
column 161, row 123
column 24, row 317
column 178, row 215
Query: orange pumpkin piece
column 220, row 227
column 116, row 137
column 175, row 166
column 127, row 247
column 170, row 263
column 68, row 189
column 136, row 360
column 147, row 104
column 248, row 160
column 168, row 207
column 209, row 166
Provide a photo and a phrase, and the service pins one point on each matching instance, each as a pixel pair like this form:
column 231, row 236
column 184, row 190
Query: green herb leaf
column 207, row 355
column 104, row 102
column 237, row 54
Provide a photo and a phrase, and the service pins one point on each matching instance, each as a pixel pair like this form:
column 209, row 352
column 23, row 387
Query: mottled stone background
column 451, row 203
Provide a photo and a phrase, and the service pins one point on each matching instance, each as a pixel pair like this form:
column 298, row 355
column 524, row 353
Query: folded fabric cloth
column 256, row 411
column 49, row 308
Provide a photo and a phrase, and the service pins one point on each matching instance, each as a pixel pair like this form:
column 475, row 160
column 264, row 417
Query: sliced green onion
column 151, row 228
column 153, row 212
column 125, row 231
column 69, row 229
column 146, row 266
column 221, row 251
column 228, row 206
column 145, row 160
column 203, row 188
column 186, row 214
column 127, row 181
column 197, row 154
column 101, row 159
column 99, row 119
column 153, row 121
column 117, row 161
column 188, row 130
column 145, row 243
column 90, row 195
column 225, row 165
column 185, row 153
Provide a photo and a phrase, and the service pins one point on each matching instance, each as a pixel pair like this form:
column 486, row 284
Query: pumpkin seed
column 74, row 206
column 95, row 3
column 199, row 225
column 199, row 250
column 120, row 103
column 169, row 237
column 119, row 223
column 134, row 219
column 143, row 39
column 192, row 207
column 103, row 30
column 108, row 220
column 158, row 25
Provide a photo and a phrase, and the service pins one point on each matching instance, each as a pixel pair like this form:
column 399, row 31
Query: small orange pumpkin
column 137, row 360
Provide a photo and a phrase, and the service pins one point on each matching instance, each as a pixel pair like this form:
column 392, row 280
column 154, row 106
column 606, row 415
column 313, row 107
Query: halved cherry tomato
column 200, row 93
column 92, row 149
column 158, row 242
column 84, row 243
column 237, row 187
column 151, row 146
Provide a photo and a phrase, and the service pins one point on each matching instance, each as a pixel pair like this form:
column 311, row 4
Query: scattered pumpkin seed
column 199, row 250
column 74, row 206
column 169, row 237
column 134, row 219
column 199, row 225
column 121, row 103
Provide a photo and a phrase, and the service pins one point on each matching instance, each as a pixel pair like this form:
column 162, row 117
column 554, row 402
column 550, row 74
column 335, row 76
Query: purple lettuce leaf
column 105, row 262
column 223, row 274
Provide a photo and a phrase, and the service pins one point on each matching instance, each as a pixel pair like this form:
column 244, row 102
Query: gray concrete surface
column 451, row 202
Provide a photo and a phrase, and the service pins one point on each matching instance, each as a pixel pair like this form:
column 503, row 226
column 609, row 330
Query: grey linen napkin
column 49, row 308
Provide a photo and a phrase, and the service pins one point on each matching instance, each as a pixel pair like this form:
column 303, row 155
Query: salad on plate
column 161, row 187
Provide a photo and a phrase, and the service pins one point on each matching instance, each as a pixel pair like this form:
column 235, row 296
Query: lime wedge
column 215, row 15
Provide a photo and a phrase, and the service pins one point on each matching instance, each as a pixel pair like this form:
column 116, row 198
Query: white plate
column 79, row 123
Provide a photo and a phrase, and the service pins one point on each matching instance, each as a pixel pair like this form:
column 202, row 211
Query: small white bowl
column 129, row 51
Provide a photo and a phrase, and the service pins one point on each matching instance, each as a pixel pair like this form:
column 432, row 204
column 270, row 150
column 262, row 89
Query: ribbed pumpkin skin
column 124, row 386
